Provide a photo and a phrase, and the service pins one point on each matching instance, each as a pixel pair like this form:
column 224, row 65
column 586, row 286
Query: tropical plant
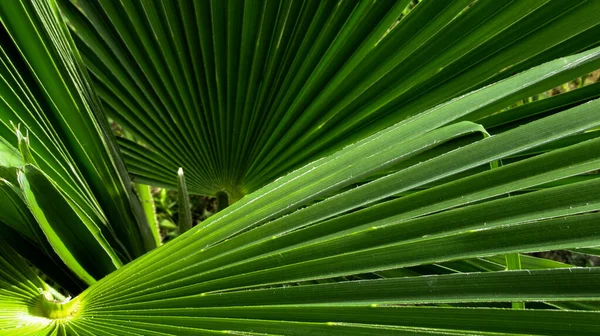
column 384, row 167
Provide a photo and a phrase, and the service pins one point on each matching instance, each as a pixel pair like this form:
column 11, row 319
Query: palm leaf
column 231, row 273
column 400, row 227
column 50, row 113
column 254, row 89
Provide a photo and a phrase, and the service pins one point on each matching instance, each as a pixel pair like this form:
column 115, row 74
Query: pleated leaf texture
column 380, row 179
column 67, row 200
column 239, row 93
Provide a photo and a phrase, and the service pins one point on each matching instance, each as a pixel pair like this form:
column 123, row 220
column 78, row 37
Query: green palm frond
column 240, row 92
column 50, row 113
column 381, row 180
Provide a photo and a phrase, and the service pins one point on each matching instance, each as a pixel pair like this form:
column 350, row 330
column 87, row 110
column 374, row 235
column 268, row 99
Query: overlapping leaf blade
column 257, row 88
column 46, row 93
column 217, row 267
column 346, row 244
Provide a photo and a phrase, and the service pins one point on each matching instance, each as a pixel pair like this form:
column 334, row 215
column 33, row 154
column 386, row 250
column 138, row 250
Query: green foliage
column 383, row 168
column 185, row 211
column 254, row 89
column 76, row 204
